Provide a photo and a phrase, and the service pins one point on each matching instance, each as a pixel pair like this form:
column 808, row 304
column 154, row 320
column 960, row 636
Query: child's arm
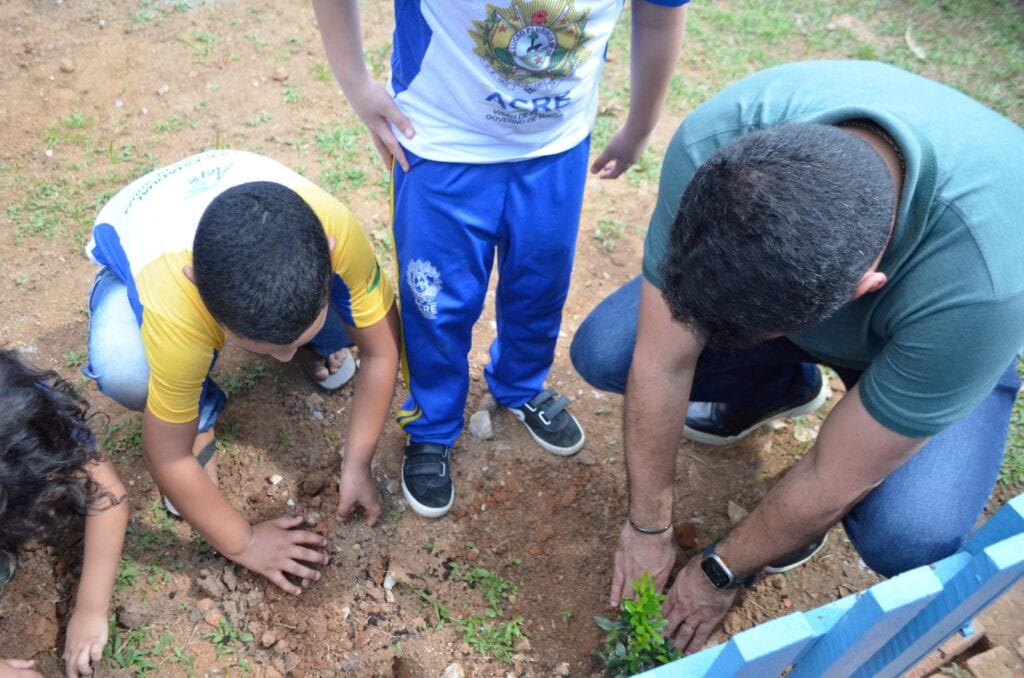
column 104, row 536
column 271, row 548
column 657, row 40
column 375, row 388
column 18, row 668
column 343, row 43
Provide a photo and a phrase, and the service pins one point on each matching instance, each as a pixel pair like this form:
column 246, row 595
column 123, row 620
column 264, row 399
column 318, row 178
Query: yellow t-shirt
column 145, row 233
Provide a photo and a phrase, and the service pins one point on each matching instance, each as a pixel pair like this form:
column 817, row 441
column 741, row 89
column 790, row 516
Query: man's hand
column 276, row 549
column 18, row 668
column 623, row 150
column 378, row 111
column 86, row 637
column 694, row 608
column 357, row 488
column 638, row 553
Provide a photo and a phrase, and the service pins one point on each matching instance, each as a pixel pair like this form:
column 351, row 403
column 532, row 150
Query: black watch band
column 718, row 573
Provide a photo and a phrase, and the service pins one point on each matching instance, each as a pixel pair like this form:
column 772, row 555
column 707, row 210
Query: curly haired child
column 52, row 478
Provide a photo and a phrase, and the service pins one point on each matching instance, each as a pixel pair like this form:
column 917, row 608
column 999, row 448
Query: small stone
column 48, row 153
column 488, row 403
column 132, row 615
column 315, row 400
column 204, row 604
column 562, row 669
column 290, row 503
column 391, row 487
column 275, row 479
column 213, row 617
column 787, row 603
column 454, row 670
column 523, row 645
column 281, row 646
column 211, row 584
column 313, row 519
column 587, row 458
column 271, row 672
column 736, row 512
column 163, row 89
column 480, row 425
column 67, row 65
column 999, row 662
column 279, row 74
column 268, row 639
column 314, row 483
column 389, row 581
column 350, row 663
column 686, row 535
column 230, row 578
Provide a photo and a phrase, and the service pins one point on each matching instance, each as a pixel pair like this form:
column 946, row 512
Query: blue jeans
column 920, row 513
column 117, row 358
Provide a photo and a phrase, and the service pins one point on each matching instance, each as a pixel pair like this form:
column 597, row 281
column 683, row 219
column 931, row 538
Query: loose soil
column 93, row 94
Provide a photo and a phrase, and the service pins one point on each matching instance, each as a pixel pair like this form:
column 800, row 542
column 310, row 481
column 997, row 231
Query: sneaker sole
column 711, row 439
column 787, row 568
column 560, row 451
column 423, row 509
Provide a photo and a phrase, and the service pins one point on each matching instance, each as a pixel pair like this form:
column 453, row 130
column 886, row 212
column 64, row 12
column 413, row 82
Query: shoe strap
column 549, row 404
column 426, row 459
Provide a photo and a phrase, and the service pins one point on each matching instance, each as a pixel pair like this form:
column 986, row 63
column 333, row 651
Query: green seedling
column 225, row 637
column 75, row 358
column 634, row 642
column 608, row 232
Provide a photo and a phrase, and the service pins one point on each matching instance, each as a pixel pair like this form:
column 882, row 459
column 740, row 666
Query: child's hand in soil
column 276, row 549
column 18, row 668
column 86, row 637
column 358, row 489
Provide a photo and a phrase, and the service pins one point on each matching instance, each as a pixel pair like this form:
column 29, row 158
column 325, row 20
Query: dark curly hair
column 774, row 232
column 45, row 445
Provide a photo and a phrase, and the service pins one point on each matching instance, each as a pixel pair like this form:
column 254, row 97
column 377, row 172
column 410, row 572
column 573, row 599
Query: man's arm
column 375, row 388
column 660, row 376
column 104, row 536
column 852, row 455
column 657, row 39
column 343, row 42
column 271, row 548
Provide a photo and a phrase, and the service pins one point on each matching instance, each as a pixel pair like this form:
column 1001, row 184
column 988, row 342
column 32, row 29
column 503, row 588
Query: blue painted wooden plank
column 1007, row 522
column 765, row 650
column 968, row 591
column 877, row 616
column 822, row 619
column 694, row 666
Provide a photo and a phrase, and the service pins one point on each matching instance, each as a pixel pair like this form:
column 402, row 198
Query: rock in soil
column 211, row 584
column 998, row 662
column 454, row 670
column 480, row 425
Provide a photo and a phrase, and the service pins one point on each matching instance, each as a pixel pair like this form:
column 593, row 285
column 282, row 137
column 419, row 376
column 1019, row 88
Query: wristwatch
column 718, row 573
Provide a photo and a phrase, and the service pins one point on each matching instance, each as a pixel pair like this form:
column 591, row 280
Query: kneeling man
column 840, row 213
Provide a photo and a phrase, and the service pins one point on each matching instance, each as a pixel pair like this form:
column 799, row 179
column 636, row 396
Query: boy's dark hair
column 45, row 445
column 774, row 232
column 261, row 262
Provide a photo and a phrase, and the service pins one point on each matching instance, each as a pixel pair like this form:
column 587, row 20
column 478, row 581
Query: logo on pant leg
column 425, row 282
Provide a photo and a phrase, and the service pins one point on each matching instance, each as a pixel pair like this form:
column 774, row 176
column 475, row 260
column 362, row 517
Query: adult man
column 229, row 244
column 844, row 213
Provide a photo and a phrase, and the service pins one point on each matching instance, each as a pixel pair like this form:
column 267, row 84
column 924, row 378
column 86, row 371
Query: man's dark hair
column 261, row 262
column 45, row 447
column 774, row 232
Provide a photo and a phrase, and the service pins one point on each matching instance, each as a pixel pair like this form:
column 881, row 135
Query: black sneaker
column 721, row 423
column 550, row 423
column 796, row 558
column 427, row 479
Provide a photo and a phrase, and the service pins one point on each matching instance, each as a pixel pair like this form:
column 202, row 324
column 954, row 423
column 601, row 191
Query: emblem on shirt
column 532, row 43
column 425, row 282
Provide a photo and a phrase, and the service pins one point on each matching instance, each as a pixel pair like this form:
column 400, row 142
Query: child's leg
column 444, row 222
column 535, row 259
column 117, row 358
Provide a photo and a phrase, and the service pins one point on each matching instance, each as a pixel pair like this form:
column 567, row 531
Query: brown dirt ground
column 152, row 83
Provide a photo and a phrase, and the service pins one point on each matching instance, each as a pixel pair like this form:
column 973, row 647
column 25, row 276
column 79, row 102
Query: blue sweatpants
column 448, row 220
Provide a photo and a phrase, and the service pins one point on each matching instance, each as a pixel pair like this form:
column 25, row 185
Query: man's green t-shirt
column 934, row 341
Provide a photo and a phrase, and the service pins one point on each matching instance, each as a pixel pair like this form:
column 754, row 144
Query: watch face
column 715, row 573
